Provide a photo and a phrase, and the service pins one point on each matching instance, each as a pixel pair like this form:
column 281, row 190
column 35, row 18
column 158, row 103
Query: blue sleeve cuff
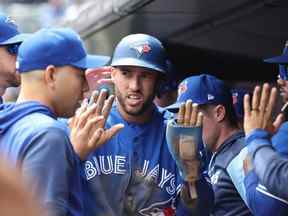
column 257, row 139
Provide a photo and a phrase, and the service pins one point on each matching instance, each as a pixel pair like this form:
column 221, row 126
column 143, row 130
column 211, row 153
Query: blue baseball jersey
column 31, row 138
column 133, row 173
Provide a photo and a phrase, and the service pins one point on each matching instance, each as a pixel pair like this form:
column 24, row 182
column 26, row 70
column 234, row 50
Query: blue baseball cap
column 202, row 89
column 58, row 47
column 9, row 33
column 282, row 60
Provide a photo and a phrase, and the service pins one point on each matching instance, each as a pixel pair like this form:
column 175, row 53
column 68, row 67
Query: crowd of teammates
column 212, row 151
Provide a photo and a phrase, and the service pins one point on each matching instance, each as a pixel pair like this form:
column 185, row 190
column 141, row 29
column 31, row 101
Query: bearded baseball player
column 134, row 173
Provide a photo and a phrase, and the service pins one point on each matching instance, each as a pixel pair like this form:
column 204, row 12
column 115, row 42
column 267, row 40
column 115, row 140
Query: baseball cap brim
column 174, row 107
column 92, row 61
column 136, row 62
column 19, row 38
column 283, row 59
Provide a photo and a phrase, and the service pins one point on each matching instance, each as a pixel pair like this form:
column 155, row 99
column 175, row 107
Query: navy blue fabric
column 227, row 199
column 31, row 138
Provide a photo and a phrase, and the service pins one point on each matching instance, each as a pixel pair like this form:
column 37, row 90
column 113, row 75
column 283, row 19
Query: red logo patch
column 182, row 88
column 146, row 48
column 141, row 48
column 234, row 98
column 169, row 212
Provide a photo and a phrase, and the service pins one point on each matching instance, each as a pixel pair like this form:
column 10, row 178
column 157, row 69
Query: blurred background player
column 167, row 91
column 269, row 155
column 282, row 81
column 238, row 98
column 10, row 39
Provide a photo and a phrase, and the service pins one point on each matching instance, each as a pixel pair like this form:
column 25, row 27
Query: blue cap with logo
column 202, row 89
column 58, row 47
column 9, row 33
column 282, row 60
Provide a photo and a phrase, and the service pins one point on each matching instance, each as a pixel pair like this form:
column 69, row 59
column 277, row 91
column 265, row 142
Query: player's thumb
column 113, row 130
column 278, row 121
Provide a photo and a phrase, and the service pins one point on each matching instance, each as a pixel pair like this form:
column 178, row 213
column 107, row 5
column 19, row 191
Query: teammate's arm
column 270, row 167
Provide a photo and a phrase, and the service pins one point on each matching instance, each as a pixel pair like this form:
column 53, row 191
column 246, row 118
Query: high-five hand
column 259, row 114
column 87, row 126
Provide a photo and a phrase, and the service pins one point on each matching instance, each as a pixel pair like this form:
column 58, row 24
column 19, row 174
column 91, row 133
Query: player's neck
column 34, row 94
column 224, row 135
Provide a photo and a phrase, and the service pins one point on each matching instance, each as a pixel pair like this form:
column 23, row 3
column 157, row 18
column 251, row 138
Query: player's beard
column 137, row 111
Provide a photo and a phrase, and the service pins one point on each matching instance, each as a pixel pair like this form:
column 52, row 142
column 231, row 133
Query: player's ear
column 50, row 76
column 113, row 73
column 220, row 112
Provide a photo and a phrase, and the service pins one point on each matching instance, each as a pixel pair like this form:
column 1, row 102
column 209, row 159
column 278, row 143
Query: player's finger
column 109, row 133
column 278, row 121
column 199, row 119
column 188, row 111
column 93, row 98
column 91, row 122
column 256, row 98
column 247, row 106
column 264, row 97
column 80, row 111
column 94, row 141
column 271, row 102
column 84, row 116
column 105, row 81
column 180, row 115
column 107, row 106
column 83, row 107
column 71, row 122
column 194, row 114
column 100, row 101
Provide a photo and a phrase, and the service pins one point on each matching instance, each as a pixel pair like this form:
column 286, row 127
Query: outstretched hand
column 259, row 114
column 87, row 126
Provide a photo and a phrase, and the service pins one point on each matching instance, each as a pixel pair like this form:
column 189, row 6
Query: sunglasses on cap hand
column 283, row 71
